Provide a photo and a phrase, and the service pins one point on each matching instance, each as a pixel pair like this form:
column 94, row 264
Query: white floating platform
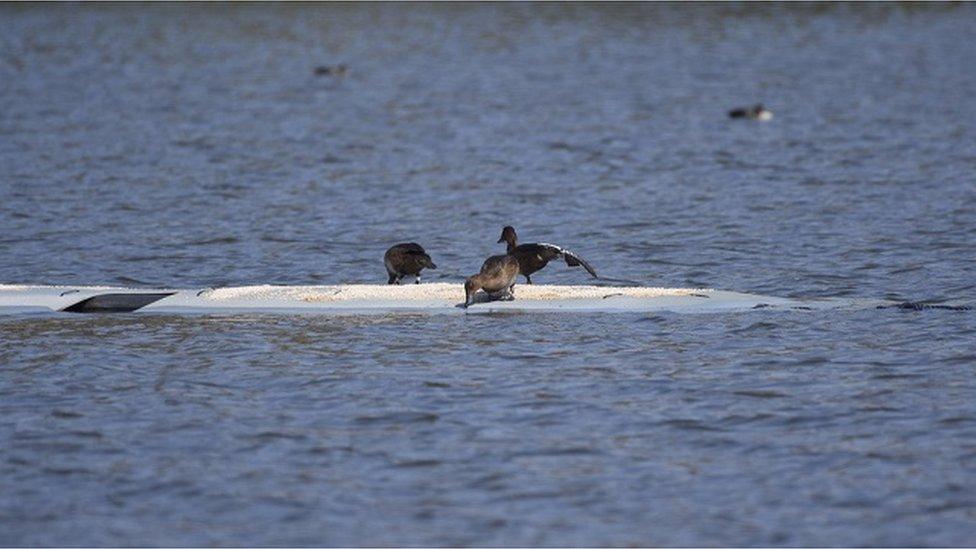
column 441, row 298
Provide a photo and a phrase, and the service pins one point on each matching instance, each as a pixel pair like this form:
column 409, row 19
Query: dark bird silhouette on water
column 497, row 279
column 755, row 112
column 332, row 70
column 535, row 256
column 405, row 259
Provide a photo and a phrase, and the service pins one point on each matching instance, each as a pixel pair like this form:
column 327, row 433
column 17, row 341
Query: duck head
column 509, row 236
column 471, row 287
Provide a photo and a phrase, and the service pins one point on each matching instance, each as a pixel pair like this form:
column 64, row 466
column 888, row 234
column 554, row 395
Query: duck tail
column 574, row 260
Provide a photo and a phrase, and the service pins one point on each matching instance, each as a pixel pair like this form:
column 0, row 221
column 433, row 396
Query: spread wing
column 571, row 258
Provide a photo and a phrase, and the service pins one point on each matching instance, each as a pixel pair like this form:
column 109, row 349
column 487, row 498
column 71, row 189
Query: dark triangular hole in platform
column 115, row 303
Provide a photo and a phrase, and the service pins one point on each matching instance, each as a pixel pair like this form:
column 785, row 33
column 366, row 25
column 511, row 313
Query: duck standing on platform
column 404, row 259
column 497, row 279
column 535, row 256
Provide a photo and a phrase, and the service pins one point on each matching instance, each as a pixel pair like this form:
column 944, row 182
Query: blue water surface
column 194, row 145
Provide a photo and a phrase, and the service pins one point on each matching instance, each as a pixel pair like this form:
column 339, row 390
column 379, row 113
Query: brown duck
column 405, row 259
column 533, row 257
column 497, row 279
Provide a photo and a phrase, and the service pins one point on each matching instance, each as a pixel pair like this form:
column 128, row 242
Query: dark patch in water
column 66, row 414
column 400, row 417
column 760, row 393
column 922, row 306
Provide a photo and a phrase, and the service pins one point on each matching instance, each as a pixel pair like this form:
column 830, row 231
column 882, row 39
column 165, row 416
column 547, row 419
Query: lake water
column 193, row 145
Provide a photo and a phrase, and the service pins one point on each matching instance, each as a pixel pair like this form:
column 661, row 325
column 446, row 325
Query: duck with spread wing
column 535, row 256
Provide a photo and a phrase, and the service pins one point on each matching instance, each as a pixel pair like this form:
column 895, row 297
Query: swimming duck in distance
column 496, row 278
column 408, row 258
column 332, row 70
column 755, row 112
column 535, row 256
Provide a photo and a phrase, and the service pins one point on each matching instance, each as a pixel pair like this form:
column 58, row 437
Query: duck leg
column 528, row 280
column 393, row 279
column 418, row 280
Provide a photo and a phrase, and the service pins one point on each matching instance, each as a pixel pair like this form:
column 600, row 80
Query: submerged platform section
column 442, row 298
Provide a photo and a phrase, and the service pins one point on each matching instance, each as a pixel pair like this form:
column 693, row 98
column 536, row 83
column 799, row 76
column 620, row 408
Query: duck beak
column 500, row 240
